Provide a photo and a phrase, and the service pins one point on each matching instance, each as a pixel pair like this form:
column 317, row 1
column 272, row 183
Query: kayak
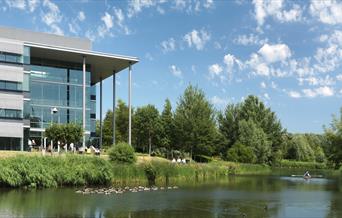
column 308, row 177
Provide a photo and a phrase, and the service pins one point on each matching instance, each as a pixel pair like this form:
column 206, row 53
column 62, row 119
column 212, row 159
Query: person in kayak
column 307, row 174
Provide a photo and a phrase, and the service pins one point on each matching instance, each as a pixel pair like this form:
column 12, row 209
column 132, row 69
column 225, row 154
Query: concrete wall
column 9, row 100
column 44, row 38
column 11, row 73
column 9, row 128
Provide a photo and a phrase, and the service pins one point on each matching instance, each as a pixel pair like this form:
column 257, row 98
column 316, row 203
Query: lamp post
column 53, row 111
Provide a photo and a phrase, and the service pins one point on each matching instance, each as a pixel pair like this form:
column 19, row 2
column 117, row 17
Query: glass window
column 26, row 55
column 11, row 86
column 2, row 57
column 26, row 82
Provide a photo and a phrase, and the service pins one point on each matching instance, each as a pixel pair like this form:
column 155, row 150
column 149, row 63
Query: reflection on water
column 252, row 196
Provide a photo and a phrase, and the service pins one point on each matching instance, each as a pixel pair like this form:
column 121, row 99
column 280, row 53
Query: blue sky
column 286, row 52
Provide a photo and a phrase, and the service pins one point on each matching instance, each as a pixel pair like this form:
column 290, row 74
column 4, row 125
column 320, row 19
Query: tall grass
column 70, row 170
column 302, row 165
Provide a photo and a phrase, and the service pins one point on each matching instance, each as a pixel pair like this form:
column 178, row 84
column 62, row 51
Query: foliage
column 122, row 153
column 252, row 110
column 168, row 126
column 121, row 124
column 147, row 127
column 299, row 149
column 65, row 133
column 48, row 171
column 302, row 164
column 334, row 141
column 241, row 153
column 194, row 123
column 254, row 137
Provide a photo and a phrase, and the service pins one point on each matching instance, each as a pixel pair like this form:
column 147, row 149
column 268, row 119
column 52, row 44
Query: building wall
column 44, row 38
column 11, row 95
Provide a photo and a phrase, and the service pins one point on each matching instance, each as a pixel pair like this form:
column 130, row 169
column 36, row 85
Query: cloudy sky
column 288, row 53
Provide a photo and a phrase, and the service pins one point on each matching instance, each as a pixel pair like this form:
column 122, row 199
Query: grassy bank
column 78, row 170
column 69, row 170
column 290, row 164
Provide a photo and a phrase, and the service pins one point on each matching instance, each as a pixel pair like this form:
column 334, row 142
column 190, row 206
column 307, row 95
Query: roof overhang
column 102, row 65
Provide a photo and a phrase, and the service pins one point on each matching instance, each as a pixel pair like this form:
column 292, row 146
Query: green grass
column 301, row 165
column 69, row 170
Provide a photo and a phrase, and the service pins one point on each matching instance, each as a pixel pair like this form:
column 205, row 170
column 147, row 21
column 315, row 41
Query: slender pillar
column 84, row 100
column 114, row 101
column 101, row 113
column 129, row 105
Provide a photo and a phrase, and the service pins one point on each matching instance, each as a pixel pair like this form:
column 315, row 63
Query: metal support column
column 114, row 102
column 84, row 101
column 129, row 105
column 101, row 128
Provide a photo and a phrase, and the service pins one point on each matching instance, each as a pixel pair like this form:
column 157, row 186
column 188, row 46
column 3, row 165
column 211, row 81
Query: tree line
column 247, row 132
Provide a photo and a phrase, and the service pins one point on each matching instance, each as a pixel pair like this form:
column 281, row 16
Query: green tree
column 167, row 121
column 333, row 135
column 254, row 137
column 241, row 153
column 194, row 122
column 122, row 153
column 65, row 133
column 121, row 120
column 299, row 149
column 147, row 127
column 254, row 110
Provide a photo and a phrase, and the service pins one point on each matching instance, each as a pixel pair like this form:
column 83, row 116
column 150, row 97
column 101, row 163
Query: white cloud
column 196, row 38
column 327, row 11
column 263, row 85
column 32, row 4
column 215, row 70
column 275, row 53
column 208, row 3
column 18, row 4
column 339, row 77
column 52, row 17
column 108, row 20
column 323, row 91
column 81, row 16
column 275, row 9
column 168, row 45
column 266, row 96
column 219, row 101
column 316, row 81
column 106, row 26
column 136, row 6
column 294, row 94
column 53, row 14
column 175, row 71
column 250, row 39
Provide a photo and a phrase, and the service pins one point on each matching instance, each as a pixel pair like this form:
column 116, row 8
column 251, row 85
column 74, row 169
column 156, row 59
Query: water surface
column 239, row 196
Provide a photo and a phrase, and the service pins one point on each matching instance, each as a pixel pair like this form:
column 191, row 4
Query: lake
column 237, row 196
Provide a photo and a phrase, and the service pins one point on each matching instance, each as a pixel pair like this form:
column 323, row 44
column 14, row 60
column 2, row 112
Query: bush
column 122, row 153
column 47, row 172
column 302, row 165
column 241, row 153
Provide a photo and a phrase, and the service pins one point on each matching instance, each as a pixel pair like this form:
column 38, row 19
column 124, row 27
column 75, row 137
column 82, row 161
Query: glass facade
column 47, row 84
column 61, row 88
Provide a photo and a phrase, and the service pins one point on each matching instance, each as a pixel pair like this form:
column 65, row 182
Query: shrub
column 122, row 153
column 241, row 153
column 302, row 165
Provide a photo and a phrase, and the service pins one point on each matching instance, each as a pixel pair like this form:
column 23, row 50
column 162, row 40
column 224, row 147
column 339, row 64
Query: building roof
column 102, row 65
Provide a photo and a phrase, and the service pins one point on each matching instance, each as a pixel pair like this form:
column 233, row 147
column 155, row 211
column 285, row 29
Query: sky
column 288, row 53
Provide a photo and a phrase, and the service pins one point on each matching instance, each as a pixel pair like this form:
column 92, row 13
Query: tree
column 254, row 137
column 252, row 110
column 121, row 127
column 167, row 121
column 65, row 133
column 194, row 122
column 122, row 153
column 241, row 153
column 333, row 135
column 147, row 127
column 299, row 149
